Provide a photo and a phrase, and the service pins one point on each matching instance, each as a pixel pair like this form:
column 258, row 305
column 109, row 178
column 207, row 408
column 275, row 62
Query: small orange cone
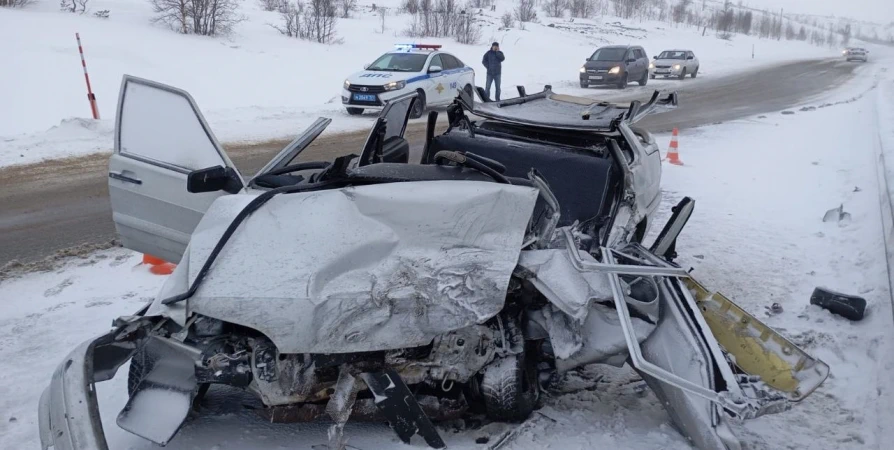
column 673, row 156
column 152, row 260
column 159, row 266
column 163, row 268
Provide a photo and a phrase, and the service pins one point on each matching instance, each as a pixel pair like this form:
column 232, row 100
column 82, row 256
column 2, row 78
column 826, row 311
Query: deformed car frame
column 368, row 287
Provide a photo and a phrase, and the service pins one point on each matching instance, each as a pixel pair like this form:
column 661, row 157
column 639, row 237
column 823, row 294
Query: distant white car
column 856, row 54
column 674, row 63
column 433, row 74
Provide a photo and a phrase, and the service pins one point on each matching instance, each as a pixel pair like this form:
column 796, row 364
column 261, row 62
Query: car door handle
column 122, row 177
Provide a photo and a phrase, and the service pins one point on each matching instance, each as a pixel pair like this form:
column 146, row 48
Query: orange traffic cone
column 673, row 156
column 159, row 266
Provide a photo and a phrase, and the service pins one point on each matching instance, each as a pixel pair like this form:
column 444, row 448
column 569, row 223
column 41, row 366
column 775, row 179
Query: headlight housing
column 347, row 84
column 395, row 85
column 651, row 65
column 583, row 69
column 677, row 67
column 615, row 70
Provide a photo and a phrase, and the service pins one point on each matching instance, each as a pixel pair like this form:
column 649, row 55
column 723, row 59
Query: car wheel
column 355, row 111
column 418, row 106
column 645, row 79
column 695, row 72
column 683, row 73
column 623, row 82
column 510, row 387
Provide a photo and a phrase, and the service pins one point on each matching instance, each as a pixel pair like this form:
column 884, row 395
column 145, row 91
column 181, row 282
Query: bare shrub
column 525, row 12
column 583, row 9
column 467, row 32
column 410, row 6
column 554, row 8
column 313, row 21
column 507, row 20
column 435, row 19
column 204, row 17
column 271, row 5
column 14, row 3
column 74, row 6
column 102, row 14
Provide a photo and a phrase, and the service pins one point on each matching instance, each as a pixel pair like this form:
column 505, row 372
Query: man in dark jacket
column 493, row 62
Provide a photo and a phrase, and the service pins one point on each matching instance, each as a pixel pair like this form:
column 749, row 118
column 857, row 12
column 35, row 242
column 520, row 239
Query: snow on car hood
column 379, row 77
column 362, row 268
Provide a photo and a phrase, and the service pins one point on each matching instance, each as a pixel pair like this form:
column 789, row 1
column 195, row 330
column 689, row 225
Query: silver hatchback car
column 674, row 63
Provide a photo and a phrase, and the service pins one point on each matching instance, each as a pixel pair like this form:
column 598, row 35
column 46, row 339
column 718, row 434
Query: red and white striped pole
column 90, row 96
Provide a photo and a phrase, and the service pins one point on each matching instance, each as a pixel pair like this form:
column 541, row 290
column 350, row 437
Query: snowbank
column 257, row 84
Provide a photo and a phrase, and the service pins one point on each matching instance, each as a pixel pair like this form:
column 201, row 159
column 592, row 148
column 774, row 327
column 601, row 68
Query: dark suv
column 616, row 65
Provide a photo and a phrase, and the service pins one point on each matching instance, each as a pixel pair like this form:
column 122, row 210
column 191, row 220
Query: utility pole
column 779, row 35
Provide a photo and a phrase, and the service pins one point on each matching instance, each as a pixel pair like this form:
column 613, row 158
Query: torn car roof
column 550, row 110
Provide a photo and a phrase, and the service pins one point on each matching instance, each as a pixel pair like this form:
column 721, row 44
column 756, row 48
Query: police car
column 434, row 74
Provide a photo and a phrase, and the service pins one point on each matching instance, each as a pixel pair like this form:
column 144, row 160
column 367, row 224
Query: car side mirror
column 435, row 69
column 655, row 57
column 630, row 61
column 213, row 179
column 690, row 57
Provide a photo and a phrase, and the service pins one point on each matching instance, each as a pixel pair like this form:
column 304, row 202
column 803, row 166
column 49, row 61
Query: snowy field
column 761, row 188
column 257, row 84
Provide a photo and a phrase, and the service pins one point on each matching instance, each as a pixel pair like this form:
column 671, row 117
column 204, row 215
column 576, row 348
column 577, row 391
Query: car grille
column 597, row 70
column 662, row 67
column 366, row 89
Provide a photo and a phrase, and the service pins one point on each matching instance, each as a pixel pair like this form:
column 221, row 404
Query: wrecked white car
column 371, row 288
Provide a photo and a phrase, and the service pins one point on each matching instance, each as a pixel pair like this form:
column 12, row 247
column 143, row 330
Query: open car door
column 160, row 137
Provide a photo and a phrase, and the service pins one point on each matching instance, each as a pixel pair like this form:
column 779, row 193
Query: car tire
column 510, row 387
column 683, row 74
column 418, row 106
column 355, row 111
column 622, row 83
column 695, row 72
column 645, row 80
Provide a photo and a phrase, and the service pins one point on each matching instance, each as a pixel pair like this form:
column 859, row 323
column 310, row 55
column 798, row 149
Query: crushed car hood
column 358, row 269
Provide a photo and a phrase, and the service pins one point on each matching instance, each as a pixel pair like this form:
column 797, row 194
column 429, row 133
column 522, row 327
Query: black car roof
column 620, row 46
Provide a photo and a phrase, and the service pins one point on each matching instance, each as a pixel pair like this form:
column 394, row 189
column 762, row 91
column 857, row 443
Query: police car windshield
column 399, row 62
column 672, row 55
column 608, row 54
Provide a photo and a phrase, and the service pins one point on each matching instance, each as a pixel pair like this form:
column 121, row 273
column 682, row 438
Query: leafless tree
column 802, row 35
column 313, row 21
column 583, row 9
column 346, row 7
column 291, row 23
column 13, row 3
column 679, row 12
column 524, row 12
column 724, row 19
column 73, row 6
column 554, row 8
column 204, row 17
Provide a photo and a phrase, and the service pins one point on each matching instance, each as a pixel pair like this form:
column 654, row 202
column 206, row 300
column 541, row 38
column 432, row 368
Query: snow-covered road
column 761, row 187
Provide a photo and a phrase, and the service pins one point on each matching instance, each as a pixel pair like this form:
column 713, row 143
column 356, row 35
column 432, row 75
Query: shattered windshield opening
column 608, row 54
column 399, row 62
column 672, row 55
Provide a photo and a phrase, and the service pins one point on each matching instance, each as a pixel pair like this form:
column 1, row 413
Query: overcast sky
column 879, row 11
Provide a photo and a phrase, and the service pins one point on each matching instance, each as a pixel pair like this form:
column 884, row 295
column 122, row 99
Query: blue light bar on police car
column 408, row 47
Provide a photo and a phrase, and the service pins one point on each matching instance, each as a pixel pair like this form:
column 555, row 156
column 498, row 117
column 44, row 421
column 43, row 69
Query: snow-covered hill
column 257, row 84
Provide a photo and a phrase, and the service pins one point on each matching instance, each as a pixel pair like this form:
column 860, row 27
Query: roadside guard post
column 90, row 96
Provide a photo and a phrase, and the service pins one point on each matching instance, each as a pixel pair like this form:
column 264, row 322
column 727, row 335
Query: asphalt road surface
column 58, row 205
